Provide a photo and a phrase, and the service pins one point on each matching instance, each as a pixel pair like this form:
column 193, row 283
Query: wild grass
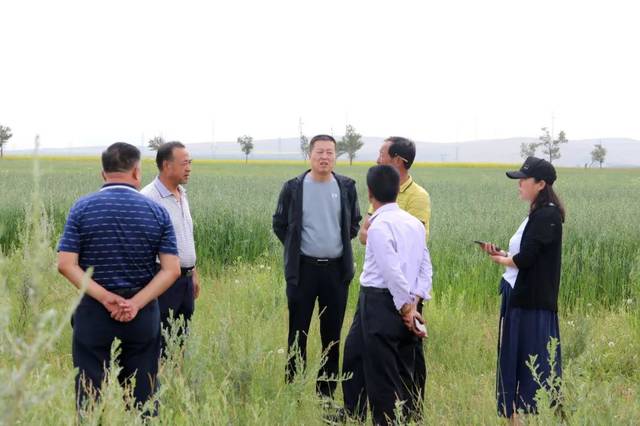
column 232, row 206
column 232, row 368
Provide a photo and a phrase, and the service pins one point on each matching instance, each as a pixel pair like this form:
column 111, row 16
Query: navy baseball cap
column 536, row 168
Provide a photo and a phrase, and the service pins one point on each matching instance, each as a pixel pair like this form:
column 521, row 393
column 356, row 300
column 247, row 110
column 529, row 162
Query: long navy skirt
column 523, row 332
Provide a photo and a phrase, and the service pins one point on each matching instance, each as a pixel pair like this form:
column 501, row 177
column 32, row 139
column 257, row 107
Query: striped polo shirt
column 119, row 232
column 180, row 215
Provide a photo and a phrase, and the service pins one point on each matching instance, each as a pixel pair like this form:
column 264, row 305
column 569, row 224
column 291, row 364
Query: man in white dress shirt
column 174, row 168
column 397, row 271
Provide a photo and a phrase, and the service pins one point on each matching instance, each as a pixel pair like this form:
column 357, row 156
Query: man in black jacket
column 316, row 218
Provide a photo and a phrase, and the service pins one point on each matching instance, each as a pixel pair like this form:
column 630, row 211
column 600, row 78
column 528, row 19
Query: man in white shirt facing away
column 379, row 350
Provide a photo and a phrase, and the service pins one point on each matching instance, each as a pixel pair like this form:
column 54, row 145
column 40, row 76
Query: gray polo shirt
column 180, row 218
column 321, row 234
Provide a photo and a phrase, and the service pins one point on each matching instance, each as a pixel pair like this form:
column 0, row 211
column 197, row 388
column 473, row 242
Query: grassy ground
column 233, row 366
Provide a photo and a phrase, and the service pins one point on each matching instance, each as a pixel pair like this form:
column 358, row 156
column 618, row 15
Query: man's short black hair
column 317, row 138
column 384, row 183
column 165, row 152
column 120, row 157
column 403, row 148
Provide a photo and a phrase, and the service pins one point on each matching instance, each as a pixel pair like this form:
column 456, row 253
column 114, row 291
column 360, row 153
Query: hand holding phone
column 491, row 248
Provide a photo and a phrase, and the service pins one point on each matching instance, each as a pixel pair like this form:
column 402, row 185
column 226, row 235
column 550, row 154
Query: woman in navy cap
column 529, row 287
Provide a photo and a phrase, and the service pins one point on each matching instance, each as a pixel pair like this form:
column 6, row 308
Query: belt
column 322, row 261
column 367, row 289
column 126, row 292
column 184, row 272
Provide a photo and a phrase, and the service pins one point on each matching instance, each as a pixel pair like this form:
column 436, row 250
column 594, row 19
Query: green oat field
column 232, row 372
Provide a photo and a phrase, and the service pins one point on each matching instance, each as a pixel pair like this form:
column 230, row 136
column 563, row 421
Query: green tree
column 246, row 145
column 598, row 154
column 550, row 146
column 5, row 135
column 350, row 143
column 304, row 146
column 528, row 149
column 154, row 143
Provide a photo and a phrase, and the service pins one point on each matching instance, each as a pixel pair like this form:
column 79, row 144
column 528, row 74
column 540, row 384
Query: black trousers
column 380, row 354
column 354, row 389
column 322, row 282
column 93, row 333
column 420, row 370
column 179, row 299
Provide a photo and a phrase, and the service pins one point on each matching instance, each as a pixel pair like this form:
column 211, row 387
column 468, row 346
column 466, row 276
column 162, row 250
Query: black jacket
column 287, row 224
column 539, row 261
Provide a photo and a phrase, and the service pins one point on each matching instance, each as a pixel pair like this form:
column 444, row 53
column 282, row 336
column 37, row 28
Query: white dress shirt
column 180, row 215
column 396, row 256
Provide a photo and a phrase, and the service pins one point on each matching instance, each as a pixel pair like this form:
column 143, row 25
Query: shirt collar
column 118, row 186
column 385, row 208
column 407, row 184
column 164, row 192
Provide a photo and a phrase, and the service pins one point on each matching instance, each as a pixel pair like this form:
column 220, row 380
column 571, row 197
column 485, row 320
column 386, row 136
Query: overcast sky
column 84, row 73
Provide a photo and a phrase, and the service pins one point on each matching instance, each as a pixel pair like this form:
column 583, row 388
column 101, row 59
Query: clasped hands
column 410, row 315
column 120, row 309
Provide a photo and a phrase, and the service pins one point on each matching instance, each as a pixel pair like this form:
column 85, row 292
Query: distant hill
column 621, row 152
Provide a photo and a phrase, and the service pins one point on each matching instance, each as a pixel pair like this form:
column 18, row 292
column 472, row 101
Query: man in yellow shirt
column 400, row 152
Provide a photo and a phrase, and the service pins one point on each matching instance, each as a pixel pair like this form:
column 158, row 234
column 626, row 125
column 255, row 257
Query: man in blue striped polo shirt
column 119, row 233
column 174, row 168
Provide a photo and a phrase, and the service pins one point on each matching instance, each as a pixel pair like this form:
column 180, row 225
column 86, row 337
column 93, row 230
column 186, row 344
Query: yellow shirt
column 415, row 200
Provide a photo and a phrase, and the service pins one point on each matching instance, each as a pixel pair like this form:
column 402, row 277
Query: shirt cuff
column 423, row 296
column 399, row 303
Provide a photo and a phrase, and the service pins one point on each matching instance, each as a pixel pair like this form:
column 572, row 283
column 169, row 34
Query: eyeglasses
column 402, row 158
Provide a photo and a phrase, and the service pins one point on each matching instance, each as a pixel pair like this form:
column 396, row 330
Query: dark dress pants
column 354, row 389
column 420, row 370
column 93, row 334
column 322, row 282
column 178, row 301
column 380, row 349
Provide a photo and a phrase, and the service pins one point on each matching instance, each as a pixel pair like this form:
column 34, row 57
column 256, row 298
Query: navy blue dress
column 523, row 333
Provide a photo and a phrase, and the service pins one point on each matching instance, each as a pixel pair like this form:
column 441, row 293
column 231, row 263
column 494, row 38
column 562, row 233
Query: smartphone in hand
column 498, row 249
column 420, row 326
column 485, row 242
